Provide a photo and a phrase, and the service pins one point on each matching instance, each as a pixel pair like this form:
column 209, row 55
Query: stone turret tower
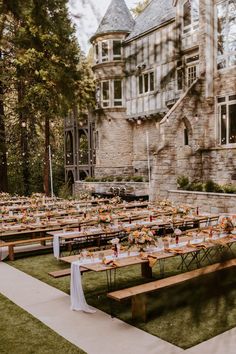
column 114, row 145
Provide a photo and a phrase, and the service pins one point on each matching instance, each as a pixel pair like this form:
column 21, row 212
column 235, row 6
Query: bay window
column 104, row 51
column 117, row 93
column 116, row 50
column 107, row 50
column 105, row 93
column 111, row 93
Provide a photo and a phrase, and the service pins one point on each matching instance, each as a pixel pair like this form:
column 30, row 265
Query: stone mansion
column 166, row 94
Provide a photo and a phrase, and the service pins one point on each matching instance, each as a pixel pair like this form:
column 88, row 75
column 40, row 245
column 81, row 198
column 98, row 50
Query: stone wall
column 134, row 188
column 206, row 202
column 219, row 164
column 115, row 145
column 173, row 157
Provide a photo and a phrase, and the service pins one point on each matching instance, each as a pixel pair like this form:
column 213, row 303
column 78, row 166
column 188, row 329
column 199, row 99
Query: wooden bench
column 65, row 272
column 11, row 245
column 138, row 293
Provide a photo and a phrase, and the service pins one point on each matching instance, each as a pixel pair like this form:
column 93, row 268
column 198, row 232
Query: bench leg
column 43, row 243
column 139, row 307
column 11, row 253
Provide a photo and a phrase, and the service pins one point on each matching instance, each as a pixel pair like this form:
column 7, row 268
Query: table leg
column 162, row 266
column 111, row 279
column 146, row 270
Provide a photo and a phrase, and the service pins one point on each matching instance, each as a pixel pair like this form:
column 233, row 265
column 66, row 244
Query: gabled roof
column 155, row 14
column 117, row 19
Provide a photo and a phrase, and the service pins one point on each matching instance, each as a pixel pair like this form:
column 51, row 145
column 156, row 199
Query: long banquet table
column 98, row 233
column 197, row 250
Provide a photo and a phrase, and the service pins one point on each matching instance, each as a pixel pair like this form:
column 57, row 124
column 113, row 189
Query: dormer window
column 190, row 16
column 117, row 50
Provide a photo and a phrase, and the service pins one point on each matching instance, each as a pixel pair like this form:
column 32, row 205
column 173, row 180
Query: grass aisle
column 21, row 333
column 184, row 315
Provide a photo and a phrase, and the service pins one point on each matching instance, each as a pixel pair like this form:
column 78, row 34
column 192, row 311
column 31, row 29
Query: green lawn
column 184, row 315
column 21, row 333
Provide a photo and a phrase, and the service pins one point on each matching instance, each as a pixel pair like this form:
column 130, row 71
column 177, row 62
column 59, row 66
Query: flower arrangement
column 104, row 218
column 141, row 239
column 115, row 200
column 115, row 246
column 226, row 224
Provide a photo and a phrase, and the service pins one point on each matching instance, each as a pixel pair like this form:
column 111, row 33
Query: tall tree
column 48, row 75
column 46, row 62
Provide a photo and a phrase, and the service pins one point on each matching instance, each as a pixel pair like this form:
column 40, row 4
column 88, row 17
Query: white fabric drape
column 3, row 253
column 78, row 301
column 56, row 246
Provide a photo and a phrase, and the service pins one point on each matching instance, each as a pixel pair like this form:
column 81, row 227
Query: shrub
column 210, row 186
column 89, row 179
column 137, row 178
column 219, row 188
column 128, row 179
column 182, row 182
column 229, row 188
column 110, row 179
column 65, row 192
column 119, row 178
column 196, row 186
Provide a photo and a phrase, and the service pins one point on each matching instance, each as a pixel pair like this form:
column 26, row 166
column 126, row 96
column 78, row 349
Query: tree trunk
column 46, row 157
column 3, row 148
column 24, row 146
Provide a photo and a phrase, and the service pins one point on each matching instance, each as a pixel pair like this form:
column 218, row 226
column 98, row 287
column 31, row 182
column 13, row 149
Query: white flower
column 178, row 232
column 115, row 241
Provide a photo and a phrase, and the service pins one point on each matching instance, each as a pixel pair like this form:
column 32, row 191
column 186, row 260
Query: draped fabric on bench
column 3, row 252
column 78, row 301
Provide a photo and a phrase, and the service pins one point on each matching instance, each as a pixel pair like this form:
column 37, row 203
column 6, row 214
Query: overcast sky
column 88, row 15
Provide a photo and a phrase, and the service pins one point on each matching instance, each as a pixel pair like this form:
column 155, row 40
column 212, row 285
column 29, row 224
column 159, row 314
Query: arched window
column 83, row 175
column 69, row 149
column 186, row 136
column 83, row 148
column 70, row 181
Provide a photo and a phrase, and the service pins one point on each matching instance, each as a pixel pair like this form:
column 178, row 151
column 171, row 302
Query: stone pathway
column 95, row 333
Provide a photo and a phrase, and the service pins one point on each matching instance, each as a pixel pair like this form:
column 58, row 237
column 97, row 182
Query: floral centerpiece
column 142, row 239
column 226, row 225
column 104, row 218
column 115, row 246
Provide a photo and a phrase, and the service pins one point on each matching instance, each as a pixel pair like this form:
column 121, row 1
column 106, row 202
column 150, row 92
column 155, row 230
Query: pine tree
column 44, row 75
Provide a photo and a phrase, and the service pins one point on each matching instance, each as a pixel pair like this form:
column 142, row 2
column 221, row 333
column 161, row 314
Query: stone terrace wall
column 219, row 164
column 207, row 202
column 134, row 188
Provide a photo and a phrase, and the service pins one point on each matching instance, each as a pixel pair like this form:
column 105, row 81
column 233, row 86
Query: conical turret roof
column 117, row 19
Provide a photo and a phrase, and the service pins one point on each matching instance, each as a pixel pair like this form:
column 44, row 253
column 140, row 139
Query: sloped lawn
column 184, row 315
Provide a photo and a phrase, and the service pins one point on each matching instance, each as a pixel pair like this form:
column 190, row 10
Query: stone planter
column 137, row 189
